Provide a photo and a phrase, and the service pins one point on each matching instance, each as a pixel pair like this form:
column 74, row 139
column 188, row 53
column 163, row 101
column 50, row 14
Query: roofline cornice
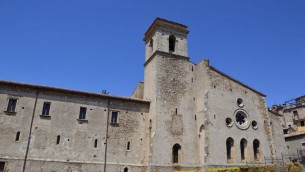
column 68, row 91
column 159, row 22
column 235, row 80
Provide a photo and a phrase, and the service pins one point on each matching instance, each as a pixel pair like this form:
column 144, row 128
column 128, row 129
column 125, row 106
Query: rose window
column 241, row 119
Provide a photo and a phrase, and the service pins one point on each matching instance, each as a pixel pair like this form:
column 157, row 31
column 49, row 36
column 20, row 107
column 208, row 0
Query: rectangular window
column 58, row 139
column 2, row 165
column 295, row 115
column 82, row 113
column 17, row 136
column 302, row 123
column 46, row 108
column 114, row 117
column 285, row 131
column 303, row 146
column 11, row 106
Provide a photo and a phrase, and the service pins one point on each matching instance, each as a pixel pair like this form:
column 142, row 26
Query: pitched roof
column 55, row 89
column 235, row 80
column 164, row 23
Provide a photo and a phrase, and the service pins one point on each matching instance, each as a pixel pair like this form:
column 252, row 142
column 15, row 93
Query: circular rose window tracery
column 242, row 119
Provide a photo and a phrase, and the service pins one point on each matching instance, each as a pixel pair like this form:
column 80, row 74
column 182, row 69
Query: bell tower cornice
column 159, row 22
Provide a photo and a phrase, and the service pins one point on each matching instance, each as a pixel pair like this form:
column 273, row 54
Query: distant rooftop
column 294, row 134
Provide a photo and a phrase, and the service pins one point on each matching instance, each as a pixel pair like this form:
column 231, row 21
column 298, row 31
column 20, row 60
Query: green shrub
column 294, row 167
column 227, row 169
column 266, row 168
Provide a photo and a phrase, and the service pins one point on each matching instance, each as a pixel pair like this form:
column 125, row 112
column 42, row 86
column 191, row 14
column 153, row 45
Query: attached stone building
column 183, row 116
column 293, row 125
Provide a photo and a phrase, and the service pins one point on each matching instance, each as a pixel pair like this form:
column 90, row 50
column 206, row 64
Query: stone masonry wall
column 76, row 147
column 222, row 104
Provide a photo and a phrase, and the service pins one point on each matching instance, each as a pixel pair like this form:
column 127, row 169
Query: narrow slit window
column 95, row 143
column 295, row 113
column 11, row 106
column 114, row 117
column 128, row 146
column 58, row 139
column 82, row 113
column 150, row 125
column 151, row 44
column 17, row 136
column 46, row 108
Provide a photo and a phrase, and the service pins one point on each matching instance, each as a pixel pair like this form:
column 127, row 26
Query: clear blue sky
column 94, row 45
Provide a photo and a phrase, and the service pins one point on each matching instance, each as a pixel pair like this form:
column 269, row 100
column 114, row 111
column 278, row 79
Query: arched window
column 151, row 44
column 176, row 151
column 171, row 43
column 243, row 149
column 256, row 149
column 230, row 146
column 125, row 169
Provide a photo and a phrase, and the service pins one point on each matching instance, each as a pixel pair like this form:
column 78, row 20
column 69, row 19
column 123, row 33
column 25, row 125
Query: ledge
column 82, row 121
column 114, row 124
column 10, row 113
column 45, row 116
column 165, row 54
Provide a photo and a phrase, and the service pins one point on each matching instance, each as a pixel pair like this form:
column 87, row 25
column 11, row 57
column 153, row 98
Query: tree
column 104, row 91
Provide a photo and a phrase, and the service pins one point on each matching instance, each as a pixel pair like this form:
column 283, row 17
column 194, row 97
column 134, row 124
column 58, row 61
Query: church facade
column 183, row 116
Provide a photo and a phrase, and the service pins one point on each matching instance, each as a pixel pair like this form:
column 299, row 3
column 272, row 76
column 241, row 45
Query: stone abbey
column 183, row 116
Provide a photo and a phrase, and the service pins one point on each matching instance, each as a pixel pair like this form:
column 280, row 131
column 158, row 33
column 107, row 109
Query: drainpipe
column 31, row 126
column 106, row 141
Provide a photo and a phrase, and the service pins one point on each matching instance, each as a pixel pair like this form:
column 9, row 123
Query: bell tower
column 166, row 36
column 168, row 81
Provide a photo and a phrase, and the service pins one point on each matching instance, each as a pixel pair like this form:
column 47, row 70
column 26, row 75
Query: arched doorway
column 176, row 152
